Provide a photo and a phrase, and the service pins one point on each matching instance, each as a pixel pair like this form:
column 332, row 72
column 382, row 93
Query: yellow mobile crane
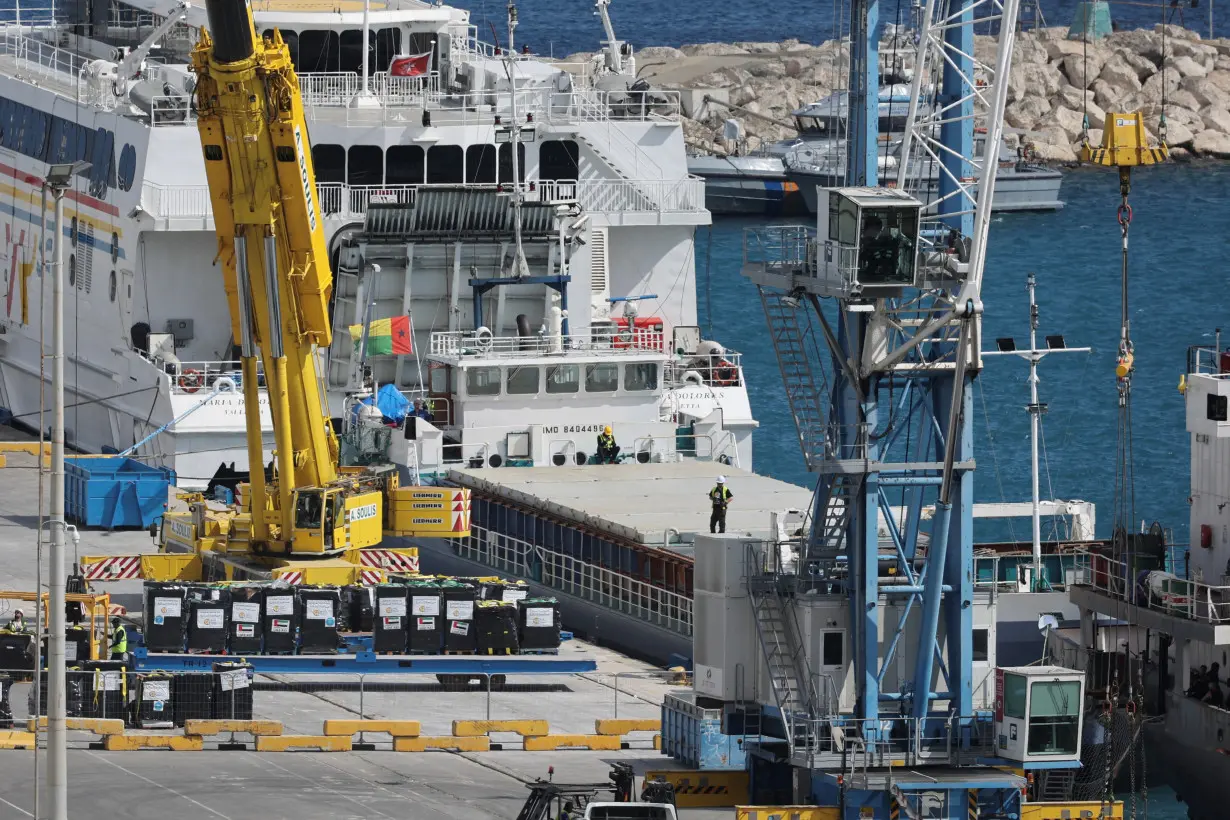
column 272, row 250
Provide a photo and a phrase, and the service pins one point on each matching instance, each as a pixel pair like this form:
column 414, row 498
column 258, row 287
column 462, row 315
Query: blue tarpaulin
column 391, row 404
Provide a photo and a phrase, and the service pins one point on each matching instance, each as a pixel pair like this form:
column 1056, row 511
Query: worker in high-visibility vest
column 119, row 640
column 18, row 622
column 720, row 497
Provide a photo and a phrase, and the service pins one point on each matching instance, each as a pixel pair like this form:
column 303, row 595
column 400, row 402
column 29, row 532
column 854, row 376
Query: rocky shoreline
column 1055, row 83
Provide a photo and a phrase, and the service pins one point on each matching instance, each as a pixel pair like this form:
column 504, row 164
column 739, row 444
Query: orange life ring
column 725, row 374
column 191, row 381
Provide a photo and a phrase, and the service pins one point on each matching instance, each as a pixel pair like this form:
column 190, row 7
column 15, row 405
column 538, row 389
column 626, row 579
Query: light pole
column 59, row 179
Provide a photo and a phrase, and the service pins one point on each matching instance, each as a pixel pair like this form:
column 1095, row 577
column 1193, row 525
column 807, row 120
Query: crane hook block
column 1124, row 143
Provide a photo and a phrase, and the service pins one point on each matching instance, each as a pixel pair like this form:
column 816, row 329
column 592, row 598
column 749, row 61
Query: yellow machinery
column 95, row 615
column 275, row 264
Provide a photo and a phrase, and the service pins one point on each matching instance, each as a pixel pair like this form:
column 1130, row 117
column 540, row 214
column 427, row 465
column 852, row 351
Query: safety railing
column 1208, row 361
column 573, row 576
column 35, row 58
column 171, row 110
column 684, row 195
column 191, row 377
column 719, row 370
column 1156, row 590
column 172, row 201
column 846, row 441
column 455, row 344
column 898, row 740
column 777, row 248
column 339, row 88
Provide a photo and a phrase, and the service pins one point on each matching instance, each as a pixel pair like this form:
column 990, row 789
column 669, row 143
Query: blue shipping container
column 113, row 492
column 693, row 736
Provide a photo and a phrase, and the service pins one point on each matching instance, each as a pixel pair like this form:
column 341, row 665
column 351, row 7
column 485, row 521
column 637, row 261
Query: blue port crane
column 875, row 316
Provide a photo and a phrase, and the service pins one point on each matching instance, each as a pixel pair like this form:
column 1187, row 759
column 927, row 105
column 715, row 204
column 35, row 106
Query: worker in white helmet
column 18, row 622
column 720, row 497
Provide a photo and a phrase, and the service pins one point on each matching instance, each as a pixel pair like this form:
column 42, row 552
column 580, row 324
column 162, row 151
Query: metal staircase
column 790, row 678
column 643, row 198
column 1056, row 785
column 791, row 344
column 828, row 534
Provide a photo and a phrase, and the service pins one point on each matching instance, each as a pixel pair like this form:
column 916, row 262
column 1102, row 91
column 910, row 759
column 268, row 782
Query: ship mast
column 1036, row 409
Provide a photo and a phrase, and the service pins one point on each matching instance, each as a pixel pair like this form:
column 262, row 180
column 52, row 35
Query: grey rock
column 1186, row 66
column 1207, row 91
column 1212, row 143
column 1120, row 75
column 1071, row 122
column 1217, row 118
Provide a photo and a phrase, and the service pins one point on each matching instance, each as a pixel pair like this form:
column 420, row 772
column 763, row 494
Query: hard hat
column 721, row 479
column 607, row 429
column 17, row 613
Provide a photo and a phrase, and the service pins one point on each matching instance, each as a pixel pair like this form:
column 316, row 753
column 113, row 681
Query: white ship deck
column 642, row 502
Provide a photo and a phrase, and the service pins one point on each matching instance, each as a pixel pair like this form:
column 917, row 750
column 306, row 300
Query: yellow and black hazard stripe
column 894, row 809
column 974, row 812
column 687, row 787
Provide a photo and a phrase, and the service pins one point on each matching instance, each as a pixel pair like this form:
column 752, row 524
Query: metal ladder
column 1057, row 785
column 785, row 656
column 791, row 345
column 828, row 534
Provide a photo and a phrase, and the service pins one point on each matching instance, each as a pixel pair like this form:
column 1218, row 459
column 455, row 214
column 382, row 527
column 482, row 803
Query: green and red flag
column 385, row 337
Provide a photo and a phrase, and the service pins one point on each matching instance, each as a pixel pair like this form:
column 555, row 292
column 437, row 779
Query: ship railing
column 193, row 377
column 1156, row 590
column 171, row 110
column 776, row 247
column 572, row 576
column 686, row 195
column 454, row 344
column 339, row 88
column 725, row 370
column 169, row 201
column 1208, row 361
column 897, row 740
column 697, row 446
column 843, row 442
column 36, row 58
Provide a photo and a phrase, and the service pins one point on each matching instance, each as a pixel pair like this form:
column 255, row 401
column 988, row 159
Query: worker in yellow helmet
column 608, row 450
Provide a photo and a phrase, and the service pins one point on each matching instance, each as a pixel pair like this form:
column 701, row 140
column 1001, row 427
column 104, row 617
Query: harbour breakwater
column 1055, row 83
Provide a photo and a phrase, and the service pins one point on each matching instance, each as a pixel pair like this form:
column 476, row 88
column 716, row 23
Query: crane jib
column 305, row 177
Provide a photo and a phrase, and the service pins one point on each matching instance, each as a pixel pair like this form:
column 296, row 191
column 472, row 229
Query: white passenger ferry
column 147, row 327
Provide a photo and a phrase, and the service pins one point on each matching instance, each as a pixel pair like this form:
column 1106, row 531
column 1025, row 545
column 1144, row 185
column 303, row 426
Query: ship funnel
column 230, row 29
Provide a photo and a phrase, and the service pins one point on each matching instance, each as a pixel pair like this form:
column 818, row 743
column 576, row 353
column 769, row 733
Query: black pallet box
column 459, row 632
column 280, row 621
column 232, row 691
column 17, row 652
column 153, row 707
column 318, row 634
column 166, row 626
column 246, row 628
column 425, row 633
column 391, row 619
column 496, row 624
column 539, row 623
column 106, row 689
column 77, row 686
column 207, row 626
column 192, row 696
column 357, row 606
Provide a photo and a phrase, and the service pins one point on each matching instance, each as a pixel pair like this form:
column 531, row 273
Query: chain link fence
column 160, row 702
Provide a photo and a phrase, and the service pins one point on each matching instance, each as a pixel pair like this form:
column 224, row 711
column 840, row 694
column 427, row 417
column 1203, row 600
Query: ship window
column 212, row 153
column 330, row 163
column 981, row 651
column 404, row 165
column 601, row 378
column 523, row 381
column 1054, row 715
column 483, row 381
column 72, row 270
column 115, row 247
column 444, row 164
column 643, row 376
column 388, row 43
column 563, row 378
column 319, row 51
column 111, row 286
column 506, row 169
column 365, row 165
column 558, row 159
column 1014, row 696
column 1216, row 408
column 72, row 231
column 480, row 163
column 351, row 57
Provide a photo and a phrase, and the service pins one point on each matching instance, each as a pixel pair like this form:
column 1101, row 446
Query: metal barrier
column 376, row 710
column 575, row 577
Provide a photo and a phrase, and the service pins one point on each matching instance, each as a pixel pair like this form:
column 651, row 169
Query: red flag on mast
column 413, row 66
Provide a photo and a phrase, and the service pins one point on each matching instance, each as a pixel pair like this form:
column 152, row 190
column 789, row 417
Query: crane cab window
column 601, row 378
column 330, row 162
column 523, row 381
column 308, row 509
column 558, row 159
column 1054, row 717
column 563, row 378
column 445, row 165
column 365, row 165
column 483, row 381
column 404, row 165
column 480, row 163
